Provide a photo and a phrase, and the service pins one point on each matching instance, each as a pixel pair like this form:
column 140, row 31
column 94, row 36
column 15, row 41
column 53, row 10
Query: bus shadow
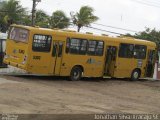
column 59, row 78
column 41, row 78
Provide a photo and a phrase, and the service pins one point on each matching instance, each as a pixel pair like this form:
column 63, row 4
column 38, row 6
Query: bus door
column 150, row 63
column 57, row 56
column 111, row 52
column 124, row 63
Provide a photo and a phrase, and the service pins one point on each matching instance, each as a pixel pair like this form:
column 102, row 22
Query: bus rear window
column 19, row 34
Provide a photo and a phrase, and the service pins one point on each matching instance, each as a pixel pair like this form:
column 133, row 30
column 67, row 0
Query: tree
column 42, row 19
column 13, row 12
column 149, row 34
column 84, row 17
column 59, row 20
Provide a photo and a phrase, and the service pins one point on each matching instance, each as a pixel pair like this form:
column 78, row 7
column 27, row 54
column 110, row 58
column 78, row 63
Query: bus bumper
column 21, row 66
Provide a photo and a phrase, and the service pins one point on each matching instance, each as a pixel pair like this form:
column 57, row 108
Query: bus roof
column 71, row 33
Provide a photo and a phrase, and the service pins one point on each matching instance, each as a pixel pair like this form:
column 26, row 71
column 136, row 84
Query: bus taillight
column 6, row 56
column 24, row 60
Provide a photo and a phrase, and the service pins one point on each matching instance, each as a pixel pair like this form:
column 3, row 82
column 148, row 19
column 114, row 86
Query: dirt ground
column 57, row 95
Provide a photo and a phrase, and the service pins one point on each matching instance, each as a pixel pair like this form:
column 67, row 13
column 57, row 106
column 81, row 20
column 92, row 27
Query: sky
column 133, row 15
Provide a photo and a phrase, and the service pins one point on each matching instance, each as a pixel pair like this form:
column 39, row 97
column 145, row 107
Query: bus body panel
column 56, row 61
column 92, row 66
column 16, row 54
column 39, row 62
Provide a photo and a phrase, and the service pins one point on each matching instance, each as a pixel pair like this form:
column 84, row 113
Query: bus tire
column 135, row 75
column 76, row 73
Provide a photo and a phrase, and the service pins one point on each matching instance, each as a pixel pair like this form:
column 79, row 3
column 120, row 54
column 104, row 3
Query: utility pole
column 33, row 12
column 35, row 2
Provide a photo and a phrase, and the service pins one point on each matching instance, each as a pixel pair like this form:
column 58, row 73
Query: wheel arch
column 76, row 72
column 136, row 74
column 80, row 66
column 138, row 69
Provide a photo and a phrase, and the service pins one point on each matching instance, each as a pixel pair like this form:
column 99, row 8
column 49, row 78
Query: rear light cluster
column 24, row 60
column 6, row 56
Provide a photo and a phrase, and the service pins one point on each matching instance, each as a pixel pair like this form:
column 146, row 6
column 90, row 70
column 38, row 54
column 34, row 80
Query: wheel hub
column 135, row 75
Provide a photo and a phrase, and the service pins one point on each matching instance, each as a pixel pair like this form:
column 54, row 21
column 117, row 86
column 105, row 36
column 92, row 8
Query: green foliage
column 84, row 17
column 148, row 34
column 11, row 12
column 59, row 20
column 42, row 19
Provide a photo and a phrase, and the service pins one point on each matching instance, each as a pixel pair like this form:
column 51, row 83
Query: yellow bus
column 69, row 53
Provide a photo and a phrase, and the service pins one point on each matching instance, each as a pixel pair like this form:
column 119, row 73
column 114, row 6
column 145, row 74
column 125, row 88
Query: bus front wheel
column 76, row 73
column 135, row 74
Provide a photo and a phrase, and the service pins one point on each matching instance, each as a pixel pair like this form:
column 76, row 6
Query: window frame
column 68, row 45
column 145, row 51
column 119, row 51
column 10, row 31
column 79, row 52
column 40, row 49
column 97, row 42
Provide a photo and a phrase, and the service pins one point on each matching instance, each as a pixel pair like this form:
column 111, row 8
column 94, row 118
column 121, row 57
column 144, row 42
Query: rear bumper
column 21, row 66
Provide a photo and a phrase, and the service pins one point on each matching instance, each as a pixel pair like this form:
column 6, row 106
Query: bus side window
column 140, row 51
column 126, row 50
column 41, row 43
column 91, row 47
column 99, row 48
column 83, row 47
column 95, row 47
column 54, row 50
column 114, row 49
column 76, row 46
column 60, row 49
column 67, row 45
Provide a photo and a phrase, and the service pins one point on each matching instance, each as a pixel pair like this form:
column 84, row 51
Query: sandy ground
column 57, row 95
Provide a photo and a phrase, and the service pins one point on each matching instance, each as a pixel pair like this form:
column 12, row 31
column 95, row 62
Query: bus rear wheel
column 135, row 75
column 76, row 73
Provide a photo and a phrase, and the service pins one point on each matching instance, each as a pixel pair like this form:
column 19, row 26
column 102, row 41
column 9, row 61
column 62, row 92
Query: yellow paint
column 61, row 66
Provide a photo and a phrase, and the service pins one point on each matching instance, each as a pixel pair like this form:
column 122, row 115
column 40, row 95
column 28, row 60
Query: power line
column 150, row 1
column 104, row 30
column 145, row 3
column 114, row 27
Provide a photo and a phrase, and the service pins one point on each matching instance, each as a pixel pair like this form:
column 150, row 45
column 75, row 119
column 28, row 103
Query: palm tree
column 42, row 19
column 59, row 20
column 84, row 17
column 13, row 12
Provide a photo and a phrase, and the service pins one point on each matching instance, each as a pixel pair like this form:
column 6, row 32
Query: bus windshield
column 19, row 34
